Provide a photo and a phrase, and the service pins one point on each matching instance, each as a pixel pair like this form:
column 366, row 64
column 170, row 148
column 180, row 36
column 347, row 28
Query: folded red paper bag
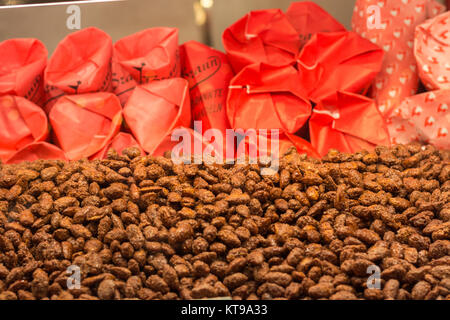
column 38, row 151
column 424, row 117
column 390, row 24
column 22, row 68
column 155, row 109
column 264, row 144
column 208, row 73
column 84, row 124
column 261, row 36
column 348, row 123
column 148, row 55
column 81, row 63
column 188, row 146
column 338, row 61
column 263, row 96
column 432, row 52
column 121, row 141
column 308, row 19
column 21, row 123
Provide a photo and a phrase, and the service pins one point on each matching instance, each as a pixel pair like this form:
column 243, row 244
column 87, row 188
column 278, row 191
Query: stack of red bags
column 79, row 93
column 302, row 73
column 90, row 86
column 294, row 79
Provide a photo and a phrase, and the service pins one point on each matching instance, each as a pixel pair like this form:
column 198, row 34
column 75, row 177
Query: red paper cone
column 81, row 63
column 208, row 73
column 338, row 61
column 21, row 123
column 348, row 123
column 148, row 55
column 262, row 36
column 267, row 97
column 22, row 68
column 84, row 124
column 308, row 19
column 155, row 109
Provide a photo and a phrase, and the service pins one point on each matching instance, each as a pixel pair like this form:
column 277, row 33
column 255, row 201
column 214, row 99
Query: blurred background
column 201, row 20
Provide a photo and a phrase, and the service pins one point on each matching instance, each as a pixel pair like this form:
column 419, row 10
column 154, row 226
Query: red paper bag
column 308, row 19
column 188, row 146
column 424, row 117
column 84, row 124
column 262, row 96
column 261, row 36
column 338, row 61
column 208, row 73
column 390, row 24
column 121, row 141
column 155, row 109
column 148, row 55
column 21, row 123
column 432, row 52
column 81, row 63
column 37, row 151
column 348, row 123
column 260, row 144
column 22, row 67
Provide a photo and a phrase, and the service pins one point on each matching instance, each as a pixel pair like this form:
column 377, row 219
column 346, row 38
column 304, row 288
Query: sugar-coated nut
column 105, row 289
column 141, row 227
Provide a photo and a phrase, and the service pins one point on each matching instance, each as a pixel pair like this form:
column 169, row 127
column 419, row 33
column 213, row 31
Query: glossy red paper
column 185, row 143
column 155, row 109
column 338, row 61
column 349, row 123
column 148, row 55
column 208, row 73
column 22, row 69
column 21, row 123
column 84, row 124
column 81, row 63
column 263, row 96
column 308, row 18
column 262, row 36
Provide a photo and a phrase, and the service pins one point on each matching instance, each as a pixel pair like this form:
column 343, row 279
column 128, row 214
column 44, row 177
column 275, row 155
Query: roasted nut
column 140, row 227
